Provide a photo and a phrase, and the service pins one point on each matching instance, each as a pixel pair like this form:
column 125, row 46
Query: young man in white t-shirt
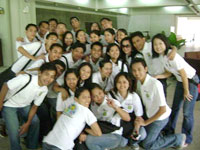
column 31, row 52
column 156, row 108
column 103, row 76
column 142, row 49
column 75, row 57
column 30, row 37
column 43, row 31
column 16, row 97
column 72, row 121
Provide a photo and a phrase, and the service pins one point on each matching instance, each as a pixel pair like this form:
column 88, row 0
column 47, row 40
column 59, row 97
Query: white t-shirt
column 31, row 49
column 116, row 68
column 153, row 97
column 177, row 64
column 25, row 97
column 95, row 66
column 106, row 84
column 131, row 103
column 40, row 38
column 106, row 113
column 37, row 64
column 26, row 41
column 69, row 126
column 154, row 68
column 71, row 63
column 62, row 104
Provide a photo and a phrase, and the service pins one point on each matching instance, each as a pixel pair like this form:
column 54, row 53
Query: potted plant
column 174, row 41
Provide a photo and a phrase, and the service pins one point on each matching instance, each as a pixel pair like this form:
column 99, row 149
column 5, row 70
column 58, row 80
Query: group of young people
column 70, row 90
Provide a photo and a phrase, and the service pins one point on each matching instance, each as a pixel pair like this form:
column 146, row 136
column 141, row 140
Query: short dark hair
column 110, row 30
column 103, row 62
column 56, row 45
column 163, row 38
column 97, row 32
column 41, row 22
column 50, row 34
column 77, row 32
column 137, row 33
column 31, row 25
column 79, row 91
column 138, row 60
column 60, row 63
column 74, row 17
column 125, row 39
column 127, row 76
column 48, row 66
column 62, row 23
column 97, row 43
column 53, row 19
column 95, row 85
column 78, row 44
column 123, row 30
column 105, row 19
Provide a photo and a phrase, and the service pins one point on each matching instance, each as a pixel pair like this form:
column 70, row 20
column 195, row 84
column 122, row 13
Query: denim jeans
column 10, row 115
column 46, row 146
column 105, row 141
column 143, row 134
column 188, row 108
column 156, row 141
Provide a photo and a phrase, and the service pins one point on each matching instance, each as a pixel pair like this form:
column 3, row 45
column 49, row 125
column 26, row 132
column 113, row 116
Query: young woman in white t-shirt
column 85, row 74
column 118, row 63
column 130, row 101
column 70, row 86
column 72, row 121
column 108, row 110
column 186, row 88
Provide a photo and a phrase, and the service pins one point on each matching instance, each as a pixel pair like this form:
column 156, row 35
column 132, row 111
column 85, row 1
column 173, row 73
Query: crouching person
column 71, row 122
column 16, row 97
column 106, row 110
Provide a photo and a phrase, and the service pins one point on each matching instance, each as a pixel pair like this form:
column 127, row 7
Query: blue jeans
column 46, row 146
column 143, row 134
column 105, row 141
column 156, row 141
column 10, row 115
column 188, row 108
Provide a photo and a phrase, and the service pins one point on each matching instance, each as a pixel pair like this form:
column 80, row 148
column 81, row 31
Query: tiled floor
column 4, row 144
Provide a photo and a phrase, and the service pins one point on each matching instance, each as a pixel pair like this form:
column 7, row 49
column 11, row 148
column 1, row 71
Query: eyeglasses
column 127, row 46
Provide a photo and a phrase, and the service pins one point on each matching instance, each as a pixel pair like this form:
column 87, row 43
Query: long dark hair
column 128, row 77
column 64, row 35
column 163, row 38
column 89, row 80
column 66, row 73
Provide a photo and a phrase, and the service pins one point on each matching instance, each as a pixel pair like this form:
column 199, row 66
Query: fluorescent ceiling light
column 174, row 8
column 82, row 1
column 116, row 2
column 123, row 10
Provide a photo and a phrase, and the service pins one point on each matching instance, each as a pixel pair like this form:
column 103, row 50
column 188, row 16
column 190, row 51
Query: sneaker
column 135, row 147
column 183, row 144
column 3, row 131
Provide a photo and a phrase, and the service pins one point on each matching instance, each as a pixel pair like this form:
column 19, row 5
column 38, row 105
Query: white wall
column 152, row 23
column 13, row 23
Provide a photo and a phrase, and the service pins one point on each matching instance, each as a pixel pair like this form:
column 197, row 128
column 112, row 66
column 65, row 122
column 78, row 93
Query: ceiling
column 130, row 7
